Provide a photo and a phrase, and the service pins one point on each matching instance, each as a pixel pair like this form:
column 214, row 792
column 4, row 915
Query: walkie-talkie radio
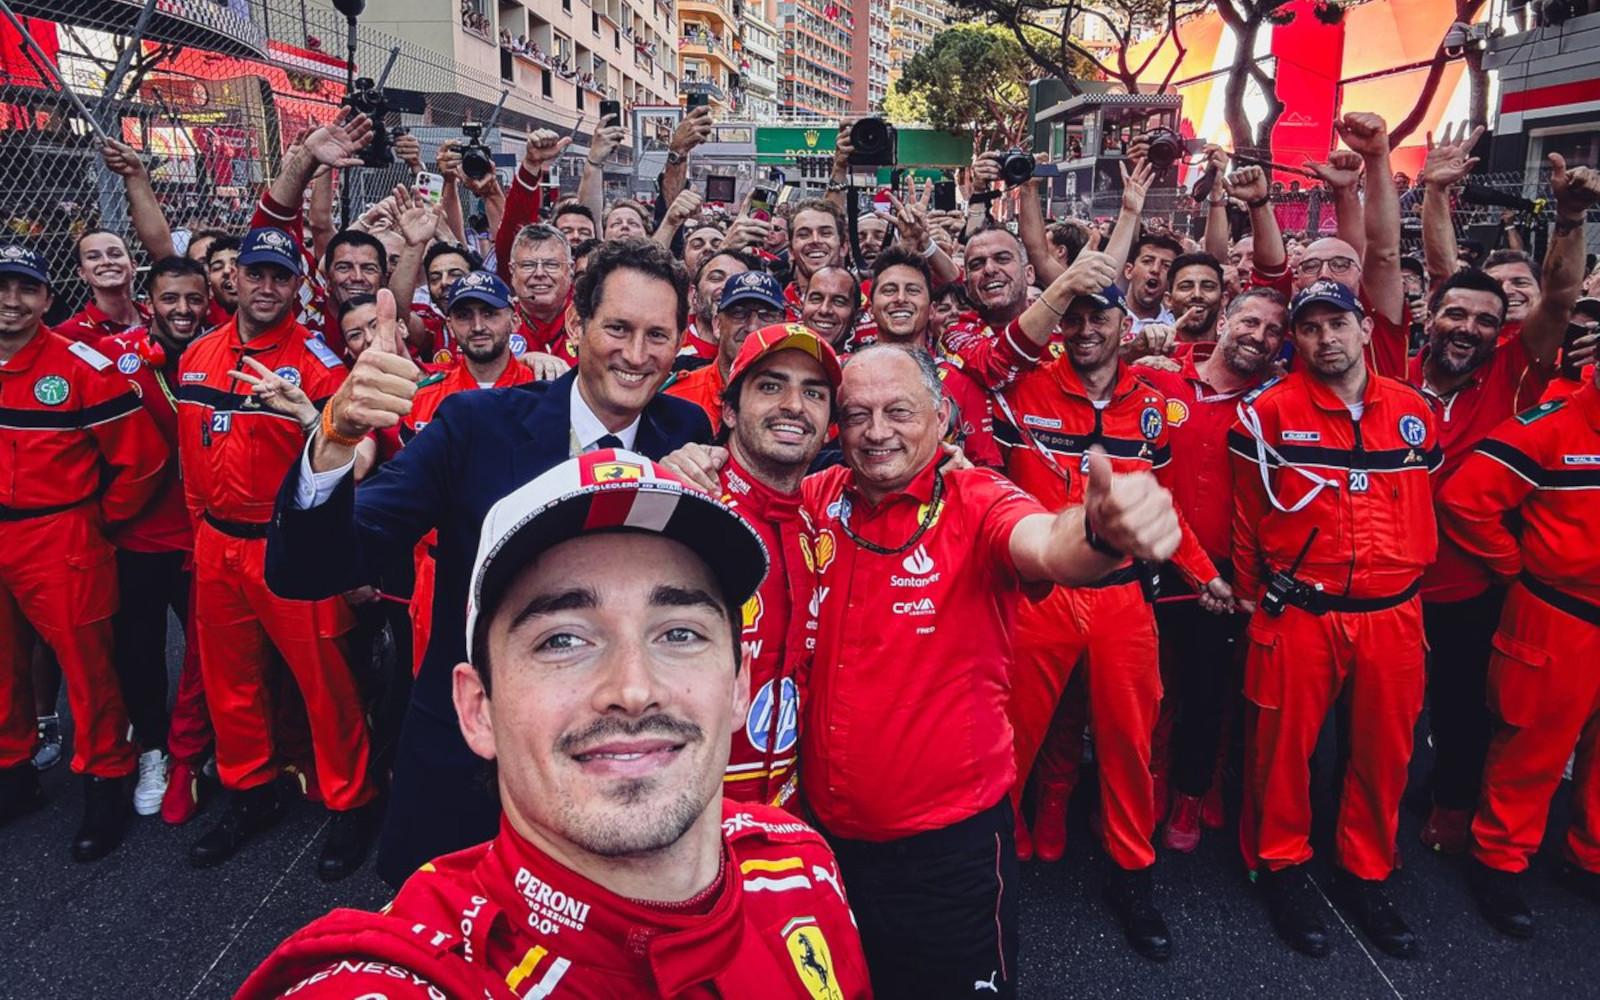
column 1282, row 584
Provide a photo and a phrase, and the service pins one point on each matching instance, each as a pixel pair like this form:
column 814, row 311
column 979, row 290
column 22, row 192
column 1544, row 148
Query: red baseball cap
column 609, row 490
column 783, row 337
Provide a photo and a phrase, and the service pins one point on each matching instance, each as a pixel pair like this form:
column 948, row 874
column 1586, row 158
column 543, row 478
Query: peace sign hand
column 277, row 393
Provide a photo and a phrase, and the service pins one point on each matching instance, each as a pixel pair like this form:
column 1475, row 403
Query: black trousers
column 1205, row 650
column 937, row 911
column 1458, row 634
column 149, row 584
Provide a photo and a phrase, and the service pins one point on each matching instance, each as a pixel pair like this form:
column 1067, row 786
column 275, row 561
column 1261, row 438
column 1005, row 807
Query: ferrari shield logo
column 809, row 950
column 617, row 472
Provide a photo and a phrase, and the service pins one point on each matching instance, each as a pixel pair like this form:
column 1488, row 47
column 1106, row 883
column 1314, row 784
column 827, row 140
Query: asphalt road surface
column 142, row 923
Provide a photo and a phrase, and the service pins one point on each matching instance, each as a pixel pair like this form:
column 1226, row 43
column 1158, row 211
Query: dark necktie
column 608, row 441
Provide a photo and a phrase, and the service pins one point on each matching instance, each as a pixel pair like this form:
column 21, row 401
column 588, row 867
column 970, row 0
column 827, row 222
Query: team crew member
column 235, row 453
column 442, row 266
column 355, row 264
column 1333, row 526
column 222, row 272
column 540, row 264
column 1201, row 646
column 831, row 304
column 749, row 301
column 1087, row 398
column 604, row 683
column 329, row 537
column 106, row 267
column 699, row 337
column 816, row 241
column 478, row 318
column 1194, row 298
column 80, row 455
column 777, row 408
column 1476, row 377
column 155, row 555
column 1543, row 686
column 935, row 561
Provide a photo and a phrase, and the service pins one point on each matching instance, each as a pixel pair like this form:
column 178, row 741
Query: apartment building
column 870, row 53
column 559, row 58
column 912, row 25
column 816, row 70
column 761, row 58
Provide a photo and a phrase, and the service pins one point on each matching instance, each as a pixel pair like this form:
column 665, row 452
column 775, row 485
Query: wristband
column 1096, row 542
column 931, row 249
column 836, row 187
column 1059, row 313
column 1260, row 202
column 331, row 432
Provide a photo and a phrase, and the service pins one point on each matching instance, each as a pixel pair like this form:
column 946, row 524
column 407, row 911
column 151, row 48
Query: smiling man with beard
column 1194, row 297
column 700, row 337
column 604, row 683
column 155, row 552
column 1199, row 645
column 629, row 310
column 750, row 301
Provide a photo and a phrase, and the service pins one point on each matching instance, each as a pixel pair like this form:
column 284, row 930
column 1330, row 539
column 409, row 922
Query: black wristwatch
column 1097, row 543
column 674, row 157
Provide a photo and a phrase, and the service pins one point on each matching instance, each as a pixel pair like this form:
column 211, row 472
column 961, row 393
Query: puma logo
column 987, row 984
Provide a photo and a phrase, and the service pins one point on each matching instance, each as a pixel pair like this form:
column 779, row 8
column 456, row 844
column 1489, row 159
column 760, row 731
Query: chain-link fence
column 212, row 94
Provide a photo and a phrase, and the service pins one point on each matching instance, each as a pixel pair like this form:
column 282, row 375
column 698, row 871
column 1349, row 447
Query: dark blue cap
column 270, row 246
column 752, row 286
column 1109, row 297
column 481, row 286
column 1324, row 292
column 16, row 259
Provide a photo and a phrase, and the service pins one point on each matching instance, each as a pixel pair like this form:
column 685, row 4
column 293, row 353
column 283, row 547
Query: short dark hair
column 353, row 303
column 953, row 290
column 1469, row 279
column 220, row 244
column 1071, row 236
column 1197, row 259
column 355, row 238
column 1258, row 292
column 474, row 262
column 177, row 267
column 1161, row 241
column 206, row 234
column 745, row 257
column 820, row 205
column 645, row 256
column 1500, row 258
column 572, row 208
column 77, row 244
column 631, row 205
column 899, row 256
column 584, row 248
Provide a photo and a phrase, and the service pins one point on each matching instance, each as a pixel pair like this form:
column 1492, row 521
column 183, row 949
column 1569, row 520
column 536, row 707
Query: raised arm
column 1031, row 230
column 1381, row 279
column 337, row 144
column 592, row 187
column 1135, row 188
column 522, row 204
column 1250, row 185
column 693, row 129
column 144, row 211
column 418, row 222
column 1342, row 174
column 1121, row 517
column 1576, row 191
column 1447, row 165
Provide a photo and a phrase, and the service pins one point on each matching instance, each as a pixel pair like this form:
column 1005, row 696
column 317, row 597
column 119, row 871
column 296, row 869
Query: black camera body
column 875, row 142
column 1166, row 146
column 477, row 162
column 368, row 98
column 1016, row 166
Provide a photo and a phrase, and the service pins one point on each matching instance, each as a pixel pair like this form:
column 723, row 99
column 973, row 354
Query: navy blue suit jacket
column 479, row 447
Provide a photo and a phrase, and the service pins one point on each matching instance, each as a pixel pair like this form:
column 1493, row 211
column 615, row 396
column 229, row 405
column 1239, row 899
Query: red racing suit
column 235, row 454
column 1301, row 461
column 77, row 453
column 1543, row 685
column 504, row 921
column 974, row 361
column 1049, row 424
column 780, row 634
column 432, row 391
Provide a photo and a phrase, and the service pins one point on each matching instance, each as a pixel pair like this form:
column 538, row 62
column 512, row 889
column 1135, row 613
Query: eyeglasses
column 742, row 314
column 532, row 266
column 1336, row 265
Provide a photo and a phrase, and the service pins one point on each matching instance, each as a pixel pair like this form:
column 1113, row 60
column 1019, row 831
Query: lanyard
column 1252, row 423
column 922, row 528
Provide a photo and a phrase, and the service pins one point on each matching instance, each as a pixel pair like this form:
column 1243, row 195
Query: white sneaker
column 152, row 786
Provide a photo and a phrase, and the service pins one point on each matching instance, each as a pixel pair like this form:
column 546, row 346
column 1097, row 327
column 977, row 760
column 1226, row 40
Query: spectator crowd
column 693, row 599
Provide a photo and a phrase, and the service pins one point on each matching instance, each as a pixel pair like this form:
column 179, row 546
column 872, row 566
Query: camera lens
column 475, row 164
column 1165, row 147
column 870, row 137
column 1017, row 167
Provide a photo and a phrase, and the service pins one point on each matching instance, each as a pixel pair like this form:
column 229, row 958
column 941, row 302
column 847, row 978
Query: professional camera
column 477, row 162
column 1166, row 146
column 368, row 98
column 1016, row 166
column 875, row 143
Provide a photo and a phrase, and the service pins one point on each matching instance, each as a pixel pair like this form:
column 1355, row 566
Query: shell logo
column 1177, row 412
column 752, row 611
column 820, row 553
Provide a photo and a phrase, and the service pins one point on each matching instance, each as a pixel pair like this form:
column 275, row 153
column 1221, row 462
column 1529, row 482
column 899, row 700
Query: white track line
column 1357, row 938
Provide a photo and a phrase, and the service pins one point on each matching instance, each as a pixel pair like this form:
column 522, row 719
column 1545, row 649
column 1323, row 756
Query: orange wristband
column 332, row 433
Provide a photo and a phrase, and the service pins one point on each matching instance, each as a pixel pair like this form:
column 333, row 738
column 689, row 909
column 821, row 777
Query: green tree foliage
column 973, row 78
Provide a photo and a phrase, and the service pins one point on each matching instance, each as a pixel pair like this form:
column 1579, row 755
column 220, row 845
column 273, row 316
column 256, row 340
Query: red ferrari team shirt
column 1201, row 479
column 163, row 526
column 1545, row 463
column 72, row 432
column 905, row 716
column 504, row 920
column 547, row 337
column 702, row 387
column 1386, row 351
column 778, row 638
column 91, row 324
column 1502, row 386
column 696, row 346
column 234, row 451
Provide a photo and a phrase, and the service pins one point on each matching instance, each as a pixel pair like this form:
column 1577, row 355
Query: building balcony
column 715, row 10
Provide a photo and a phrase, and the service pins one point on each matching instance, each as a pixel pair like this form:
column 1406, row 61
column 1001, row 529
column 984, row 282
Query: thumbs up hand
column 1131, row 513
column 382, row 383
